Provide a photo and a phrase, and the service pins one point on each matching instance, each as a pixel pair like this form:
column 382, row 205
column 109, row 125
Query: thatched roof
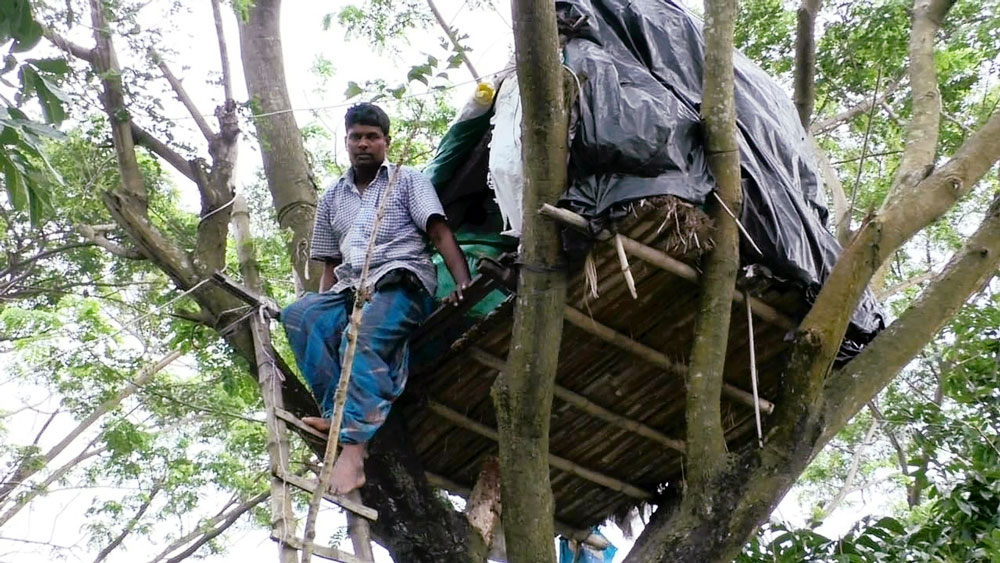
column 618, row 417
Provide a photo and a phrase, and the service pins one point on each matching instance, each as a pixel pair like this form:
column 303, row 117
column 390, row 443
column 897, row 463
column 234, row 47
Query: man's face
column 366, row 145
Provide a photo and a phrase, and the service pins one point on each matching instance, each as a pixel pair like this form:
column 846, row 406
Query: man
column 402, row 277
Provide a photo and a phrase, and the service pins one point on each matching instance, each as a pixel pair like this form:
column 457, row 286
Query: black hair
column 367, row 114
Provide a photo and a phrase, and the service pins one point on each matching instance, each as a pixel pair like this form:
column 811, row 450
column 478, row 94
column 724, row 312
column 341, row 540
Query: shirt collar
column 348, row 177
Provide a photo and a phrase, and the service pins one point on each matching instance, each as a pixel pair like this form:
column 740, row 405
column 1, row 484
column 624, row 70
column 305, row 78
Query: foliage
column 26, row 172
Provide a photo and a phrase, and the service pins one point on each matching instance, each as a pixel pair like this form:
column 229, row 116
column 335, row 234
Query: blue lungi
column 316, row 328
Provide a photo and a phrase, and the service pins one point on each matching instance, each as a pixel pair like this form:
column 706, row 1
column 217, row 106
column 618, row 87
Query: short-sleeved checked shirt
column 345, row 218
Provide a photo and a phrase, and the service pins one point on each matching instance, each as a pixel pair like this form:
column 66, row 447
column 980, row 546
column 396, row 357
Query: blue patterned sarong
column 316, row 328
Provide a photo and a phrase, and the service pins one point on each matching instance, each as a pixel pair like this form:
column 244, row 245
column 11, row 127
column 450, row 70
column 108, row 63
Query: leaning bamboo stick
column 664, row 262
column 340, row 397
column 659, row 359
column 626, row 270
column 560, row 463
column 588, row 406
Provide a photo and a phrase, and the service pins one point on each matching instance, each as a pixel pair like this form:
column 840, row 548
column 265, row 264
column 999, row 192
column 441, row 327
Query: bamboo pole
column 588, row 406
column 269, row 380
column 560, row 463
column 626, row 270
column 659, row 359
column 340, row 397
column 665, row 262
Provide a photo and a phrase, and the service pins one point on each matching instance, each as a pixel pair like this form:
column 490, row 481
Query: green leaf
column 17, row 191
column 55, row 66
column 352, row 90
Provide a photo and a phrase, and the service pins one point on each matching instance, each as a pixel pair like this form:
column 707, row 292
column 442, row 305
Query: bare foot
column 321, row 424
column 349, row 470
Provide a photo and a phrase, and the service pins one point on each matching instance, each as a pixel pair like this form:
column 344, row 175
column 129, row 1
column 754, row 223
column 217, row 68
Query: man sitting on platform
column 401, row 275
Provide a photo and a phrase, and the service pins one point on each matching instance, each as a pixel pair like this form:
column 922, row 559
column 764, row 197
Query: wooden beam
column 663, row 261
column 560, row 463
column 328, row 553
column 588, row 406
column 297, row 423
column 309, row 485
column 659, row 359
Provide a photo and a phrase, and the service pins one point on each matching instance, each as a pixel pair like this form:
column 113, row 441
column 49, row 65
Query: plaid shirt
column 345, row 218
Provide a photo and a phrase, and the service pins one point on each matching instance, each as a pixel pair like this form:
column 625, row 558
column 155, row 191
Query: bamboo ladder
column 283, row 523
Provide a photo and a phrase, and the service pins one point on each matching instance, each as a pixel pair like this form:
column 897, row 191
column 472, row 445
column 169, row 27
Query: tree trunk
column 289, row 178
column 414, row 523
column 523, row 392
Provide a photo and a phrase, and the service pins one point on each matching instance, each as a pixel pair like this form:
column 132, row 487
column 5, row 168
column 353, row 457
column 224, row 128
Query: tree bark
column 289, row 178
column 706, row 443
column 523, row 392
column 805, row 60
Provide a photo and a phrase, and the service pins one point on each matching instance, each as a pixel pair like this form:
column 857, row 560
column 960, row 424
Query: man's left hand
column 456, row 297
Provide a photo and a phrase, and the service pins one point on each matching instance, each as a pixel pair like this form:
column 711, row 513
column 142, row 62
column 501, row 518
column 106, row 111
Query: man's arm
column 328, row 278
column 444, row 240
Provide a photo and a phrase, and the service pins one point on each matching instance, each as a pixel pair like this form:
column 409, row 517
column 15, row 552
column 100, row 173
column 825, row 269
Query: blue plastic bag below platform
column 584, row 553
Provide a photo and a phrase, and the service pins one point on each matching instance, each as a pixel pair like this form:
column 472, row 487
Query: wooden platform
column 617, row 430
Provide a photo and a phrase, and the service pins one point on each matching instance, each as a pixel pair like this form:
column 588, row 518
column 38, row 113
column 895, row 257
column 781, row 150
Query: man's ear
column 388, row 140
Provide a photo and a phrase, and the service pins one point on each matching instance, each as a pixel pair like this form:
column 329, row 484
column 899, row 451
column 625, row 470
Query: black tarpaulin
column 639, row 67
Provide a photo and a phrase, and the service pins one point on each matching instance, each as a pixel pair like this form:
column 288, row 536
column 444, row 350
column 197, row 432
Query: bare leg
column 321, row 424
column 349, row 469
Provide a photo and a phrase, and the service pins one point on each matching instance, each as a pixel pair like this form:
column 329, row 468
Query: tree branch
column 159, row 148
column 105, row 62
column 183, row 96
column 903, row 285
column 905, row 213
column 78, row 51
column 706, row 442
column 454, row 40
column 15, row 266
column 854, row 385
column 841, row 209
column 96, row 237
column 31, row 465
column 523, row 393
column 23, row 500
column 227, row 80
column 828, row 125
column 852, row 473
column 805, row 60
column 904, row 464
column 208, row 530
column 131, row 524
column 923, row 129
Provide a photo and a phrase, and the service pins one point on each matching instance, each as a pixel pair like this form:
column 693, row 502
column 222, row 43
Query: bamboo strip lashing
column 586, row 323
column 626, row 270
column 560, row 463
column 665, row 262
column 588, row 406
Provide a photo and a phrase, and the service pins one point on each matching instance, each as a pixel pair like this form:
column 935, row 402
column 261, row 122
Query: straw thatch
column 618, row 430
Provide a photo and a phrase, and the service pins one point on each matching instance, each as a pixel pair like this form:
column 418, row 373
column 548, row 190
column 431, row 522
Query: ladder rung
column 309, row 486
column 297, row 422
column 329, row 553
